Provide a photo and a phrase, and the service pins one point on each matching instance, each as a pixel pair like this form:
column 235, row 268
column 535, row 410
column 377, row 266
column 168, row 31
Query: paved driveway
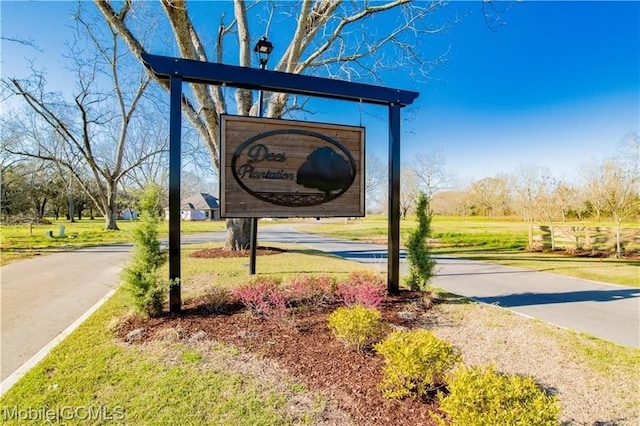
column 608, row 311
column 41, row 297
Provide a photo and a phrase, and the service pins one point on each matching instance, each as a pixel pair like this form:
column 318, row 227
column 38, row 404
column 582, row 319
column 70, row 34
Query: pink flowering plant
column 264, row 298
column 362, row 288
column 312, row 291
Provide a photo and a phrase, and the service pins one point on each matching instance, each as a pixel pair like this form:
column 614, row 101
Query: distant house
column 200, row 206
column 128, row 214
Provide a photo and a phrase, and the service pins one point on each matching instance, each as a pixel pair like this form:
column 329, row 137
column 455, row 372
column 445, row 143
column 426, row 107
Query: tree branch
column 210, row 117
column 244, row 97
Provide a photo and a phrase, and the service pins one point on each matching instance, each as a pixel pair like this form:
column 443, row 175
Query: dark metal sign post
column 175, row 135
column 185, row 70
column 263, row 48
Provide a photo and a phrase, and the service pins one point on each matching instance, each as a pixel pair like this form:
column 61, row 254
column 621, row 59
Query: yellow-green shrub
column 357, row 327
column 416, row 361
column 479, row 396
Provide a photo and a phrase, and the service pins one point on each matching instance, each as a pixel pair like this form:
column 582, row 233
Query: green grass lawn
column 489, row 240
column 25, row 241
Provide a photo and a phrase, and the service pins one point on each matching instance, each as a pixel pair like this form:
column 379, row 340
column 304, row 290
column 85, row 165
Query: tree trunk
column 80, row 208
column 238, row 234
column 111, row 209
column 70, row 203
column 618, row 238
column 111, row 220
column 40, row 209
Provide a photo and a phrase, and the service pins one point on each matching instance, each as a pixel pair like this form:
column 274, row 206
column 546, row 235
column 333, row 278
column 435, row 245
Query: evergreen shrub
column 141, row 280
column 356, row 327
column 421, row 262
column 415, row 362
column 480, row 396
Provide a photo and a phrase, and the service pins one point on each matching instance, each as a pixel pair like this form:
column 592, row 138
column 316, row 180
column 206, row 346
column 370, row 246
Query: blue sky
column 557, row 86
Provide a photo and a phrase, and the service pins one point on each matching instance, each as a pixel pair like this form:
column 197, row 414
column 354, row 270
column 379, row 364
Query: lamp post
column 263, row 49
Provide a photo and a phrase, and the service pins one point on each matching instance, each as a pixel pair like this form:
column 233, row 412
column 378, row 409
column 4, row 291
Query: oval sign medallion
column 293, row 167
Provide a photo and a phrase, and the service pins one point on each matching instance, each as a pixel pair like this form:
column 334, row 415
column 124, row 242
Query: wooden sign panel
column 286, row 168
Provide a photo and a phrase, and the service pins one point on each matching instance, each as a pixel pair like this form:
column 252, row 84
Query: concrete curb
column 13, row 378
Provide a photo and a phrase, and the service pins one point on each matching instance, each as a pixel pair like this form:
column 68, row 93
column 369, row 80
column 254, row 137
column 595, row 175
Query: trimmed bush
column 216, row 299
column 264, row 298
column 421, row 262
column 312, row 291
column 479, row 396
column 357, row 327
column 141, row 280
column 362, row 288
column 415, row 362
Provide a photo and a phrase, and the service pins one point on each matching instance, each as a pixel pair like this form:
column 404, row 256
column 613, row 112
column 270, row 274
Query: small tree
column 141, row 276
column 421, row 263
column 616, row 189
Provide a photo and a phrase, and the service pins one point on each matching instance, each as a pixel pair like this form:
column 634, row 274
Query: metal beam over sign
column 274, row 81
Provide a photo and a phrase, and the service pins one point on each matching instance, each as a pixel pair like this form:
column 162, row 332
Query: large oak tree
column 331, row 38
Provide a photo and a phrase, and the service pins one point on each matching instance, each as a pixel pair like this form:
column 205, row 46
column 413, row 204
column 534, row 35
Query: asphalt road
column 41, row 297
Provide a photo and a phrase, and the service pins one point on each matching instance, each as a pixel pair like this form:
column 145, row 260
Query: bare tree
column 453, row 203
column 528, row 184
column 548, row 205
column 328, row 37
column 429, row 168
column 536, row 194
column 615, row 189
column 147, row 138
column 491, row 195
column 375, row 179
column 22, row 41
column 629, row 152
column 96, row 128
column 568, row 199
column 409, row 190
column 34, row 188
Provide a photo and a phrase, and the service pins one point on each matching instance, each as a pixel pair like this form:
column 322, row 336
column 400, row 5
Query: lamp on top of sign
column 289, row 168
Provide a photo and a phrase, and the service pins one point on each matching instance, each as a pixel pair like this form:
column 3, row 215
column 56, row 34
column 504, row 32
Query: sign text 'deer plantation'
column 288, row 168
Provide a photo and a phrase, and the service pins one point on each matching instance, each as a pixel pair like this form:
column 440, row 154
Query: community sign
column 283, row 168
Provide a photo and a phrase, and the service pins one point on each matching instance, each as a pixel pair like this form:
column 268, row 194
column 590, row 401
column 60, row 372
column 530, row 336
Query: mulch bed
column 220, row 252
column 305, row 347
